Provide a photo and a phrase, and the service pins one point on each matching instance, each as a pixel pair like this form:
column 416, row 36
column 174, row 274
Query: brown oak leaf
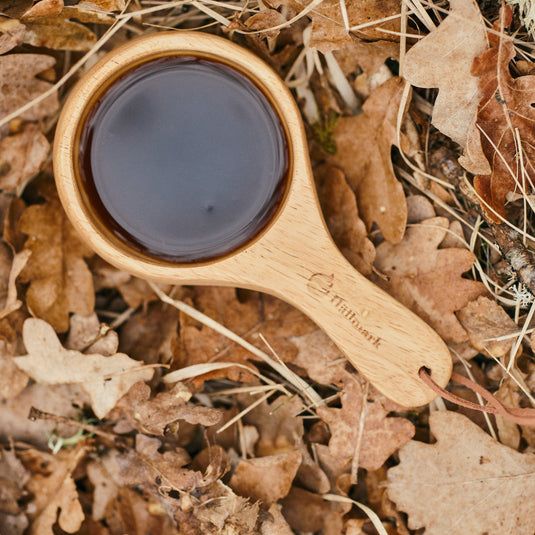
column 364, row 143
column 152, row 416
column 506, row 107
column 472, row 484
column 328, row 29
column 459, row 39
column 55, row 496
column 341, row 214
column 22, row 156
column 60, row 281
column 105, row 379
column 19, row 85
column 267, row 479
column 428, row 280
column 11, row 34
column 381, row 436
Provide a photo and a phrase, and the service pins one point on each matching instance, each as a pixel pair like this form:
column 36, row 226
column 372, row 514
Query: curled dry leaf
column 152, row 416
column 472, row 484
column 380, row 436
column 504, row 125
column 21, row 156
column 19, row 85
column 428, row 280
column 342, row 217
column 364, row 144
column 459, row 39
column 486, row 322
column 60, row 281
column 44, row 8
column 105, row 379
column 266, row 479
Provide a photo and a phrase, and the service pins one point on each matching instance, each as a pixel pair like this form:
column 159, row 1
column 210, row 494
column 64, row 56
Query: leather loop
column 518, row 416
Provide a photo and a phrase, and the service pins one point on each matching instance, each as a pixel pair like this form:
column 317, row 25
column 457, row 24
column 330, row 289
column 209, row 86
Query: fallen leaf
column 55, row 497
column 506, row 107
column 320, row 357
column 266, row 479
column 147, row 466
column 105, row 379
column 484, row 320
column 472, row 484
column 133, row 513
column 329, row 31
column 428, row 280
column 364, row 143
column 19, row 85
column 60, row 281
column 88, row 335
column 21, row 156
column 341, row 214
column 103, row 473
column 380, row 436
column 457, row 41
column 264, row 20
column 279, row 427
column 58, row 33
column 44, row 8
column 274, row 523
column 11, row 34
column 309, row 512
column 215, row 510
column 13, row 478
column 152, row 416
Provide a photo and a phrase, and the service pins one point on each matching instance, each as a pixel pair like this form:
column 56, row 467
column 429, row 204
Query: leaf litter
column 271, row 431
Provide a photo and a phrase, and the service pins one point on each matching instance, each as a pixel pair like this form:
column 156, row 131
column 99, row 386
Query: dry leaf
column 55, row 494
column 44, row 8
column 471, row 483
column 105, row 379
column 341, row 214
column 133, row 513
column 309, row 512
column 328, row 28
column 278, row 425
column 11, row 34
column 320, row 357
column 428, row 280
column 152, row 416
column 58, row 33
column 459, row 39
column 21, row 156
column 483, row 320
column 88, row 335
column 381, row 436
column 60, row 281
column 103, row 473
column 275, row 524
column 364, row 144
column 19, row 85
column 506, row 107
column 266, row 479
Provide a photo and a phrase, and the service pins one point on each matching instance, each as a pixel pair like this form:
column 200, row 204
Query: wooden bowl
column 293, row 257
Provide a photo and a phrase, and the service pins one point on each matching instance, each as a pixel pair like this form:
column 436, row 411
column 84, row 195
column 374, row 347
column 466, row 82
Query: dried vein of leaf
column 472, row 484
column 459, row 39
column 105, row 379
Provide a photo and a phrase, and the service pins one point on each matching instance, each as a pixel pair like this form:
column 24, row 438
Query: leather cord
column 518, row 416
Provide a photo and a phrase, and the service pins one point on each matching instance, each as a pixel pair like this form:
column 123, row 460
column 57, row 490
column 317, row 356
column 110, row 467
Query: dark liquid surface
column 183, row 159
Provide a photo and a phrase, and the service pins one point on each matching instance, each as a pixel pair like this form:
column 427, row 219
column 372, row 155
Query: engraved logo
column 322, row 285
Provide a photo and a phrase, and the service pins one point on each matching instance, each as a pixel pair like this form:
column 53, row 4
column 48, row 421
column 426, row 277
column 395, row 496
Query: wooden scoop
column 293, row 257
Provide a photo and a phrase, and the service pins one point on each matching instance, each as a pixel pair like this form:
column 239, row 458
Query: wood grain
column 293, row 258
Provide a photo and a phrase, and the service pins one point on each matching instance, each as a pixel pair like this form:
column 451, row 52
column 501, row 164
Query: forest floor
column 128, row 407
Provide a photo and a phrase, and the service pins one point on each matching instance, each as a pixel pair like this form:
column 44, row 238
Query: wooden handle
column 385, row 341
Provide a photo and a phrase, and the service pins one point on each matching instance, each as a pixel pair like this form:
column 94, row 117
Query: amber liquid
column 183, row 159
